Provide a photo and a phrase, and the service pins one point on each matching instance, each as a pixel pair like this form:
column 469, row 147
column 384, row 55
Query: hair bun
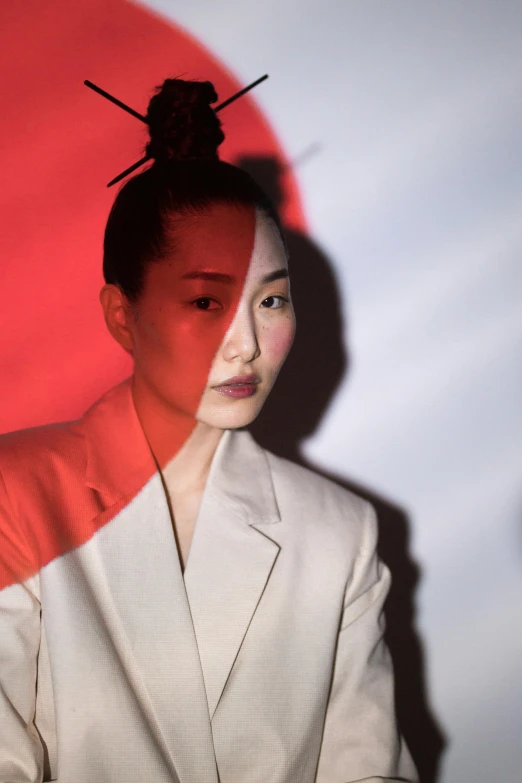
column 182, row 125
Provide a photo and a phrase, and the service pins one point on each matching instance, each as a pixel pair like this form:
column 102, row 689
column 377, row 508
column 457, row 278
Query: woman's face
column 218, row 308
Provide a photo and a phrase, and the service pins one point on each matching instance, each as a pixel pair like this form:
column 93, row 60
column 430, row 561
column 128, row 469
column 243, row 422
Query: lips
column 239, row 386
column 240, row 380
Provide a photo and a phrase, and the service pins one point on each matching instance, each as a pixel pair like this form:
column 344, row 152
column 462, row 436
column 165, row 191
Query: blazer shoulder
column 302, row 491
column 35, row 468
column 41, row 454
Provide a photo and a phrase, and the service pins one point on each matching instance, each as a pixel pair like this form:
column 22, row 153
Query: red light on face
column 176, row 341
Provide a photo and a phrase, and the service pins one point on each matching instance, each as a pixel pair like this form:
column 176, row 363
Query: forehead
column 268, row 251
column 228, row 239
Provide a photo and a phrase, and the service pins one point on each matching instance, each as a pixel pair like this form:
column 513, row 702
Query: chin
column 236, row 416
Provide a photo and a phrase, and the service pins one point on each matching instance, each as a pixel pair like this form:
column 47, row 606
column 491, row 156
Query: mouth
column 239, row 386
column 240, row 380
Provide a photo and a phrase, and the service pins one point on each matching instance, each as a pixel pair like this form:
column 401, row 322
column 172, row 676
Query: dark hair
column 186, row 178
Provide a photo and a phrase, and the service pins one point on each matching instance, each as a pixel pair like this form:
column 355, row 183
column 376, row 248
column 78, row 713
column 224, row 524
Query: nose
column 241, row 338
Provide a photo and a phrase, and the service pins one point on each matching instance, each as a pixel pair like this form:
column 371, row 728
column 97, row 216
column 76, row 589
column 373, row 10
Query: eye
column 204, row 302
column 271, row 300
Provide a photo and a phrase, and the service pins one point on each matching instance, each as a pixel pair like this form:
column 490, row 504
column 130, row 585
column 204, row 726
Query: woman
column 177, row 603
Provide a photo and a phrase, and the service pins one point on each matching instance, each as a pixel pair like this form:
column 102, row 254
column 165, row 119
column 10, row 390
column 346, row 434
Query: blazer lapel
column 230, row 559
column 133, row 569
column 207, row 610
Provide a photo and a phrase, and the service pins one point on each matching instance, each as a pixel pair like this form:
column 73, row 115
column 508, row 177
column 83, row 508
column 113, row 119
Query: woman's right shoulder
column 38, row 452
column 36, row 468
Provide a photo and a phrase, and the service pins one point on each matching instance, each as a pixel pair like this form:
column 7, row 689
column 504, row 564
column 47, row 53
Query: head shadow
column 317, row 363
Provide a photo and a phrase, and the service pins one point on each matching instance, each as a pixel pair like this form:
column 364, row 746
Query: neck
column 182, row 446
column 188, row 470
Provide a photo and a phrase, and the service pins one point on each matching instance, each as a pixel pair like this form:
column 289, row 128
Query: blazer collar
column 120, row 462
column 209, row 608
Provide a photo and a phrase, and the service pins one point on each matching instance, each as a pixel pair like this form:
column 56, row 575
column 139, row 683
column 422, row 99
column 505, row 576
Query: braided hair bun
column 182, row 125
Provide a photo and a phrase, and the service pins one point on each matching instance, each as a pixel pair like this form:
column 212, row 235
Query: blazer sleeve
column 21, row 751
column 361, row 740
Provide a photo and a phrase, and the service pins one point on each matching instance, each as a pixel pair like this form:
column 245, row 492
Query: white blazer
column 263, row 663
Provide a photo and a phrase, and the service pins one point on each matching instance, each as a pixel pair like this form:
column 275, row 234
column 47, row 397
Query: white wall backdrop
column 414, row 195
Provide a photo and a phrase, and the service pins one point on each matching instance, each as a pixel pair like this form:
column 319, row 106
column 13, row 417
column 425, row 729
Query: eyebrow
column 221, row 277
column 277, row 275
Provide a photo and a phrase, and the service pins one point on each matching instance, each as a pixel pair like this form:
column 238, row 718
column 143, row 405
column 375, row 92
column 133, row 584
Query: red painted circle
column 61, row 144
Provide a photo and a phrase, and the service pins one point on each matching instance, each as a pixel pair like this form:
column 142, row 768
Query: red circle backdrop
column 61, row 144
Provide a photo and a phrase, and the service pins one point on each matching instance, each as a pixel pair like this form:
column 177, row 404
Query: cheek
column 176, row 353
column 278, row 340
column 185, row 342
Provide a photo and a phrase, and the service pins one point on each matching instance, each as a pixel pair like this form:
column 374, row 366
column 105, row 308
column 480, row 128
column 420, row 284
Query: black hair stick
column 144, row 119
column 115, row 100
column 242, row 92
column 129, row 170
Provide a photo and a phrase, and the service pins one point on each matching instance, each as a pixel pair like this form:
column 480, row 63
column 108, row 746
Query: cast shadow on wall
column 283, row 425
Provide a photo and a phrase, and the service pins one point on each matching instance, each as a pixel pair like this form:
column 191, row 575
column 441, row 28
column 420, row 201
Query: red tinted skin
column 174, row 343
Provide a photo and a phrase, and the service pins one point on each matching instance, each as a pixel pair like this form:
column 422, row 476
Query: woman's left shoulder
column 316, row 500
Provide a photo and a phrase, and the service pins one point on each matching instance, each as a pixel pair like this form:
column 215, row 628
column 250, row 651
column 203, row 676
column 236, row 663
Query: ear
column 119, row 315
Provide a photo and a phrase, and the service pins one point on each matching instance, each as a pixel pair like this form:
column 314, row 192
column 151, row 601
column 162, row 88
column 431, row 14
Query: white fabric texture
column 263, row 663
